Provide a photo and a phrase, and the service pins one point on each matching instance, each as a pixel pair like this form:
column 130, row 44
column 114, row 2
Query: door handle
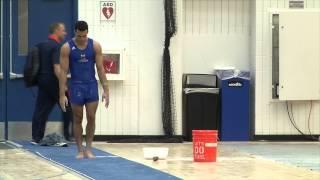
column 13, row 75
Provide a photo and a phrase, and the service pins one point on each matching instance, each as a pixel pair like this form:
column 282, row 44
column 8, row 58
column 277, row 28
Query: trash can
column 200, row 103
column 235, row 105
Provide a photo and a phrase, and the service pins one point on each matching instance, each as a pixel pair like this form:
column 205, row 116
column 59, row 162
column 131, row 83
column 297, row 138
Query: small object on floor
column 158, row 152
column 155, row 158
column 53, row 139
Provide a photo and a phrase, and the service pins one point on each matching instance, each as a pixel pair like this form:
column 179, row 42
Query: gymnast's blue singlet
column 83, row 86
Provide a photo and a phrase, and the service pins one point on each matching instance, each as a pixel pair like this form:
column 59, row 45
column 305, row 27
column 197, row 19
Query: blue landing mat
column 105, row 166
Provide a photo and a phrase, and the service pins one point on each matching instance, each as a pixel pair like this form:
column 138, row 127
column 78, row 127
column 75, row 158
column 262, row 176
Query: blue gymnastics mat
column 105, row 166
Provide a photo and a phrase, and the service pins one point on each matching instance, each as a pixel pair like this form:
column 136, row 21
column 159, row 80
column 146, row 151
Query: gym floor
column 245, row 160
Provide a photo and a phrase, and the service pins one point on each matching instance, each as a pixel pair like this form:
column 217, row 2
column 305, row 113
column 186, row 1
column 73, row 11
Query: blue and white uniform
column 83, row 86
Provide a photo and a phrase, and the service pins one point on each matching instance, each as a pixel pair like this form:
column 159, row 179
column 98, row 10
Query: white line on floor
column 64, row 166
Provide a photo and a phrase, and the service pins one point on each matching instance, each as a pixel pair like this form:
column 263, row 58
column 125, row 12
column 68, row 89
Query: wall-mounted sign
column 107, row 10
column 296, row 4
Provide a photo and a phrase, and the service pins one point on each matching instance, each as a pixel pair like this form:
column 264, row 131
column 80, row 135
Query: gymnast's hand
column 105, row 97
column 63, row 103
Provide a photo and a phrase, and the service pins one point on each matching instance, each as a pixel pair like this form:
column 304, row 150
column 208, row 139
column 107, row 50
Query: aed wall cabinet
column 113, row 63
column 295, row 54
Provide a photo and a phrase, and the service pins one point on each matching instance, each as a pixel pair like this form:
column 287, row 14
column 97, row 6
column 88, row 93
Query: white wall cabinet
column 299, row 54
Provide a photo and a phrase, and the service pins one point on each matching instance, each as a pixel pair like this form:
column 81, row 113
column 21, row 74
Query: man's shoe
column 61, row 144
column 34, row 142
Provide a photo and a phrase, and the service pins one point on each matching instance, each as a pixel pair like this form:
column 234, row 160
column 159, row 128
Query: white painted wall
column 252, row 65
column 271, row 117
column 215, row 33
column 176, row 52
column 135, row 107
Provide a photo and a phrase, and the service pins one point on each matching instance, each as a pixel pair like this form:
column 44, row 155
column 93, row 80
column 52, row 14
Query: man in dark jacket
column 48, row 84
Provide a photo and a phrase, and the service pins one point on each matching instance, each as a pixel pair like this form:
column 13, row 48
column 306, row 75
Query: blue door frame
column 17, row 102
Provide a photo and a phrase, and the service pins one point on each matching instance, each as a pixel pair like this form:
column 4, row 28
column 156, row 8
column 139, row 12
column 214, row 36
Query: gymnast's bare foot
column 80, row 155
column 90, row 155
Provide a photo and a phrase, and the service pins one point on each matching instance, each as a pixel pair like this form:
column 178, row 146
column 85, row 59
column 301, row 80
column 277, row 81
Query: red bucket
column 205, row 145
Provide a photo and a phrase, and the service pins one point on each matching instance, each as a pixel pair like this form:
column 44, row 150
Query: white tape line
column 16, row 145
column 48, row 159
column 107, row 156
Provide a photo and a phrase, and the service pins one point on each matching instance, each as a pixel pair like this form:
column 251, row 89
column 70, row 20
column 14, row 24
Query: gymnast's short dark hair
column 81, row 26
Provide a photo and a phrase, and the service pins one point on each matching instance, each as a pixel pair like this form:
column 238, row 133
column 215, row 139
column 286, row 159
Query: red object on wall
column 110, row 66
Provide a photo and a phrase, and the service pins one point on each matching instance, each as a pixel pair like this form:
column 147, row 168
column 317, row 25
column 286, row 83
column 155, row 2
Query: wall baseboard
column 285, row 138
column 179, row 139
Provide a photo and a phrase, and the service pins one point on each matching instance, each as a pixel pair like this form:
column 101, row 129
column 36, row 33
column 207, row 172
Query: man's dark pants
column 47, row 98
